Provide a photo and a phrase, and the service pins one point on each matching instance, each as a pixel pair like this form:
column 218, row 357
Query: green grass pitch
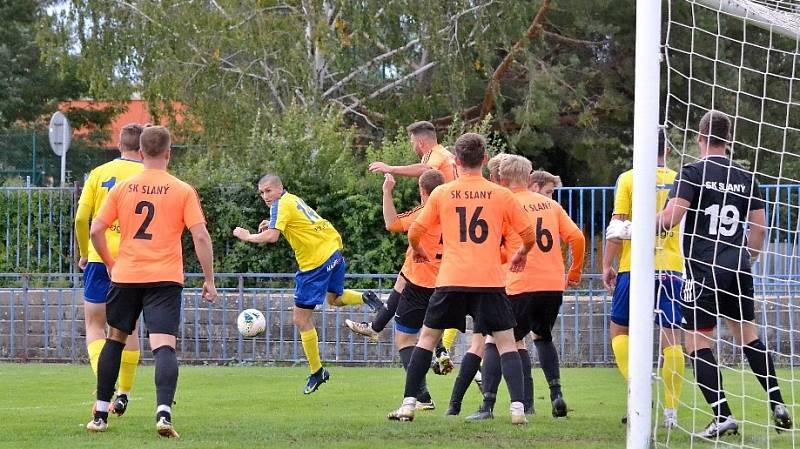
column 46, row 406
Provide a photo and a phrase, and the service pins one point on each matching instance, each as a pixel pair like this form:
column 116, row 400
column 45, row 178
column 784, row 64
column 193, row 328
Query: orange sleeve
column 404, row 220
column 528, row 236
column 396, row 226
column 577, row 246
column 192, row 211
column 565, row 224
column 109, row 212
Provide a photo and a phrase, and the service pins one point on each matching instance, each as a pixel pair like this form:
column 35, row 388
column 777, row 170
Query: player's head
column 270, row 188
column 154, row 143
column 129, row 137
column 429, row 180
column 494, row 167
column 714, row 131
column 544, row 183
column 470, row 151
column 422, row 136
column 515, row 171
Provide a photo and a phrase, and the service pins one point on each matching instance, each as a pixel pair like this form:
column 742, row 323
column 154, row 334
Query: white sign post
column 60, row 135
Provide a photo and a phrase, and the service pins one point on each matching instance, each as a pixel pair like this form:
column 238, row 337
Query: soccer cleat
column 363, row 328
column 405, row 412
column 559, row 407
column 97, row 425
column 315, row 380
column 119, row 405
column 454, row 409
column 670, row 419
column 518, row 414
column 781, row 417
column 426, row 405
column 165, row 428
column 719, row 426
column 479, row 380
column 481, row 415
column 372, row 301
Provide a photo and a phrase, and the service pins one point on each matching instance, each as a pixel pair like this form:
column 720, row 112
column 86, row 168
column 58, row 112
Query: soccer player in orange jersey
column 472, row 213
column 153, row 208
column 535, row 293
column 544, row 183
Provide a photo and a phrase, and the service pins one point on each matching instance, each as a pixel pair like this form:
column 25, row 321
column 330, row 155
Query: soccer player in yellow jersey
column 668, row 284
column 96, row 282
column 321, row 268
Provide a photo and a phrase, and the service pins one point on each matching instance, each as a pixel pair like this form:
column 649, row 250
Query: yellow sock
column 94, row 348
column 311, row 348
column 672, row 373
column 619, row 345
column 449, row 337
column 127, row 370
column 351, row 297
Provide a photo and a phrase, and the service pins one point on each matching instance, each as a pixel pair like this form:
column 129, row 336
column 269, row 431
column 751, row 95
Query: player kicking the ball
column 320, row 277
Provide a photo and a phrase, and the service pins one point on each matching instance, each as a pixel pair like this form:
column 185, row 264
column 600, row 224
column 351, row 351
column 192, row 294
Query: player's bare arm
column 205, row 255
column 414, row 170
column 98, row 235
column 757, row 220
column 265, row 236
column 389, row 211
column 415, row 233
column 672, row 214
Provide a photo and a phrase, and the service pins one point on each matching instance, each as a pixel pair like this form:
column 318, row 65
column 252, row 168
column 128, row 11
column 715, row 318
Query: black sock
column 491, row 373
column 386, row 314
column 548, row 358
column 470, row 364
column 108, row 369
column 527, row 378
column 417, row 368
column 166, row 377
column 405, row 358
column 709, row 379
column 763, row 367
column 512, row 373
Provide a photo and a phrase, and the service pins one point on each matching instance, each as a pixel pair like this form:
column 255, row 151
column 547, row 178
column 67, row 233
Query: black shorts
column 490, row 310
column 411, row 308
column 160, row 301
column 536, row 312
column 718, row 293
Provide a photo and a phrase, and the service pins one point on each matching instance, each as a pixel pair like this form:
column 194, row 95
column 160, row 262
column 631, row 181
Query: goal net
column 742, row 58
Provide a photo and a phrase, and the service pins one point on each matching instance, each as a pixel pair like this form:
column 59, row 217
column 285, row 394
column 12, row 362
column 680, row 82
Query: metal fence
column 41, row 315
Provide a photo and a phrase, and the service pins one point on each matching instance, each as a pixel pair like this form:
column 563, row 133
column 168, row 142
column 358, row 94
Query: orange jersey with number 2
column 472, row 213
column 153, row 209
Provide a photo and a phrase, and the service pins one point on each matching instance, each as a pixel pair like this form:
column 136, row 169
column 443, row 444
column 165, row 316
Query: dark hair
column 470, row 149
column 430, row 179
column 154, row 140
column 716, row 128
column 422, row 129
column 129, row 137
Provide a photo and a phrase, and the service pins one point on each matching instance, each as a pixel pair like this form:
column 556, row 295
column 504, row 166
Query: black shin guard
column 166, row 375
column 470, row 364
column 108, row 369
column 418, row 366
column 709, row 379
column 386, row 314
column 405, row 359
column 763, row 367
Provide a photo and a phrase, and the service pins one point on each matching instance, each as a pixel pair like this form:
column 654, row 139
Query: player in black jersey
column 721, row 202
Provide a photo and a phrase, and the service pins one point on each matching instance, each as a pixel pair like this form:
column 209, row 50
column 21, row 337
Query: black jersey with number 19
column 721, row 194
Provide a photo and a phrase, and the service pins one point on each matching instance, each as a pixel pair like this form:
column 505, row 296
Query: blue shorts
column 669, row 286
column 312, row 286
column 96, row 283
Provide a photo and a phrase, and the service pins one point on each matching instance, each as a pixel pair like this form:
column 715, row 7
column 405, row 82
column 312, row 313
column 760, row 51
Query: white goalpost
column 742, row 58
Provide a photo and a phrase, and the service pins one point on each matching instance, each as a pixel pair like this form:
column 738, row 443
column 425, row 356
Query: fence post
column 33, row 156
column 24, row 318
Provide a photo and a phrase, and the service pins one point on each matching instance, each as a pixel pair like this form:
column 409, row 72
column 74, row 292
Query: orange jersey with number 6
column 544, row 270
column 153, row 209
column 472, row 213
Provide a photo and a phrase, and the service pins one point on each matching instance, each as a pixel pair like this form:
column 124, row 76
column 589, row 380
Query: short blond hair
column 542, row 177
column 515, row 169
column 494, row 164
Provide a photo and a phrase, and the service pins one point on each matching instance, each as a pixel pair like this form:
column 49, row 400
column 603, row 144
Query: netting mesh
column 741, row 58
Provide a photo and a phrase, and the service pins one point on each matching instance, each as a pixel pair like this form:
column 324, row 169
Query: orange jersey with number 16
column 472, row 213
column 153, row 209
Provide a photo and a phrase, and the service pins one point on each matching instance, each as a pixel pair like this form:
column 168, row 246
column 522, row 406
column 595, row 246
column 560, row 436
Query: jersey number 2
column 151, row 210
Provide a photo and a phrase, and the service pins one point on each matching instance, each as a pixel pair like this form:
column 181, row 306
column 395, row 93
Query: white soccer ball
column 251, row 323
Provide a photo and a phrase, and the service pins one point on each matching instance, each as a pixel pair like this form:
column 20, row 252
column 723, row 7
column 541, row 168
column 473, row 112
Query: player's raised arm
column 267, row 235
column 390, row 218
column 413, row 170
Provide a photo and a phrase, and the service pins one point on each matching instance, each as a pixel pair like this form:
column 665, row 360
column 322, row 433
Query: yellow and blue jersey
column 313, row 238
column 667, row 252
column 99, row 183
